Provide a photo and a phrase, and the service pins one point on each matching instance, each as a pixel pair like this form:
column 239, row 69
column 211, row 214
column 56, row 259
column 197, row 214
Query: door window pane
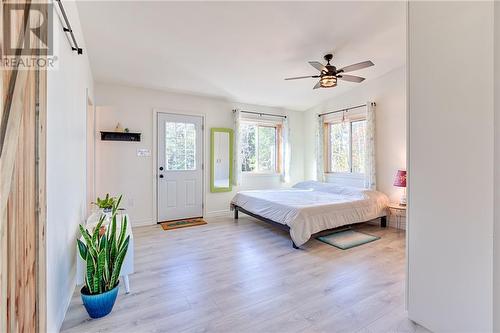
column 180, row 146
column 267, row 149
column 358, row 131
column 339, row 143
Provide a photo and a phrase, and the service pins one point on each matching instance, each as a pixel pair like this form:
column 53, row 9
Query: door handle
column 161, row 176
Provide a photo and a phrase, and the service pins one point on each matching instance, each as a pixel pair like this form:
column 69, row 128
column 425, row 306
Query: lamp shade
column 400, row 179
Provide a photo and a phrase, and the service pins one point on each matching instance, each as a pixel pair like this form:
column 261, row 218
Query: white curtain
column 320, row 166
column 370, row 158
column 236, row 149
column 285, row 174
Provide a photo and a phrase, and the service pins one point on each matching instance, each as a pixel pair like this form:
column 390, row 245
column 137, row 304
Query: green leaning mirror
column 221, row 156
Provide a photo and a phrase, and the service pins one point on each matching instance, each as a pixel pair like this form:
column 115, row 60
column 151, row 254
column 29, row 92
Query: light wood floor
column 246, row 277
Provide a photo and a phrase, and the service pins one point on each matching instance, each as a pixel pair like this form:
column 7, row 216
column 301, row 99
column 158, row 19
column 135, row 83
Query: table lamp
column 400, row 181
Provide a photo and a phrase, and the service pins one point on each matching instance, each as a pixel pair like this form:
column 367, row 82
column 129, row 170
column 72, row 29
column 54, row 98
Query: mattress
column 310, row 207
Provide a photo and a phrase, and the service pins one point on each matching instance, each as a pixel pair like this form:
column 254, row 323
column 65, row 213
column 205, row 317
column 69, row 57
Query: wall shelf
column 120, row 136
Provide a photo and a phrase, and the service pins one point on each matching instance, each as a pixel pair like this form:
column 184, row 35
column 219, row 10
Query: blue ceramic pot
column 99, row 305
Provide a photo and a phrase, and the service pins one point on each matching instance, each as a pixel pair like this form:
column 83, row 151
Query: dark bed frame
column 383, row 222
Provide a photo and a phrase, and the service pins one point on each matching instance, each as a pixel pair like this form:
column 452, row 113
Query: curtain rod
column 263, row 114
column 345, row 109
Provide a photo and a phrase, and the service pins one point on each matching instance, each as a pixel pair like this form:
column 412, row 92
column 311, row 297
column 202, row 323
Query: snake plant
column 104, row 252
column 107, row 203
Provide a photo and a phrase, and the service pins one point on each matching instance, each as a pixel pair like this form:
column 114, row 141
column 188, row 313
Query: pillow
column 308, row 185
column 330, row 188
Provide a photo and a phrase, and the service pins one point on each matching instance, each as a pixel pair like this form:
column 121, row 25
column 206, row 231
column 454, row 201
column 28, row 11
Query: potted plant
column 104, row 252
column 106, row 204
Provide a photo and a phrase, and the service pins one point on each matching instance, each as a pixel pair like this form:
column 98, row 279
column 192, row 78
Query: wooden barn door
column 22, row 182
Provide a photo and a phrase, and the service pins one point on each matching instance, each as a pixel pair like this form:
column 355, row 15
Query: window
column 259, row 147
column 180, row 143
column 346, row 149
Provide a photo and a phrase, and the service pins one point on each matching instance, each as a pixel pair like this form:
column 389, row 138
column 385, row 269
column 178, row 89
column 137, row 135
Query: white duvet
column 310, row 207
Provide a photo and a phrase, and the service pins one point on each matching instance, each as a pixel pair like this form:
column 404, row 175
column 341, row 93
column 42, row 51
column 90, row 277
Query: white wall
column 389, row 92
column 496, row 236
column 120, row 171
column 66, row 160
column 450, row 164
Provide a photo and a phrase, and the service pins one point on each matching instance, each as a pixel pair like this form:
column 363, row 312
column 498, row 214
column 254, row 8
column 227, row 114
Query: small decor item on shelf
column 119, row 128
column 126, row 130
column 106, row 204
column 400, row 181
column 103, row 252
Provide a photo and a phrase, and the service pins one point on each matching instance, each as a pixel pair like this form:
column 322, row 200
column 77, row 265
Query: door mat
column 182, row 223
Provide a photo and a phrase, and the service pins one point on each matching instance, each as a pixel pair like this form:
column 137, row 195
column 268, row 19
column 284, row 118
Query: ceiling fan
column 330, row 74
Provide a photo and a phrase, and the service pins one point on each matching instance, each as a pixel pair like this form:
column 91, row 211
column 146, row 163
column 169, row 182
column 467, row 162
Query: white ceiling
column 240, row 51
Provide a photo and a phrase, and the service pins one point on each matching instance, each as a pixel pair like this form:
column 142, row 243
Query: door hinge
column 202, row 127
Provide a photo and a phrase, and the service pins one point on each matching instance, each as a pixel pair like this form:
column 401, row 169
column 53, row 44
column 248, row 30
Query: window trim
column 328, row 148
column 278, row 143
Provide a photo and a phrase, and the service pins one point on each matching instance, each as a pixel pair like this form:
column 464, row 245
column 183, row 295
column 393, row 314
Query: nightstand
column 397, row 211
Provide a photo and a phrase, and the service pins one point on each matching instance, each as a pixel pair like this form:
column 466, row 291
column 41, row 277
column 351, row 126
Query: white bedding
column 310, row 207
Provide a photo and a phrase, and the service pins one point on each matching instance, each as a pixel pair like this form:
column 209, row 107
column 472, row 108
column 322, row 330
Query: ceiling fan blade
column 355, row 67
column 318, row 85
column 301, row 77
column 351, row 78
column 319, row 66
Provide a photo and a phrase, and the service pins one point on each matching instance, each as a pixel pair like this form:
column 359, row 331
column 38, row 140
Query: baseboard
column 215, row 213
column 62, row 311
column 218, row 213
column 142, row 223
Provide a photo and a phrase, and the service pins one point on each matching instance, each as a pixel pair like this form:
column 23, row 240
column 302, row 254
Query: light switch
column 143, row 152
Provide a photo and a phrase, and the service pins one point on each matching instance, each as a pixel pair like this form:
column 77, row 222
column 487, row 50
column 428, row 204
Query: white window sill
column 260, row 174
column 346, row 175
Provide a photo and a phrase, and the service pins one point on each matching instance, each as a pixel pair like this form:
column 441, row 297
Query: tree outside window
column 258, row 148
column 347, row 147
column 180, row 143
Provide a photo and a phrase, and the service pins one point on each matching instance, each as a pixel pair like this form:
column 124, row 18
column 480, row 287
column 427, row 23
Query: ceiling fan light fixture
column 329, row 74
column 328, row 81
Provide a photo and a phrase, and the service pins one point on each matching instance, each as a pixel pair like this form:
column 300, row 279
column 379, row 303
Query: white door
column 180, row 174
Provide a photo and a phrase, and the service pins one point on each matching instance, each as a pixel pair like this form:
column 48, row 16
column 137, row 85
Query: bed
column 310, row 207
